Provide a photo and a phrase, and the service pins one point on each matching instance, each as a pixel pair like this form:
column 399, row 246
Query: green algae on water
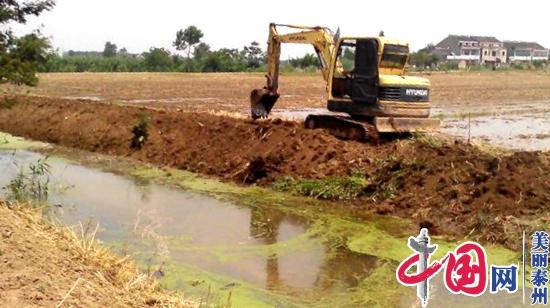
column 10, row 142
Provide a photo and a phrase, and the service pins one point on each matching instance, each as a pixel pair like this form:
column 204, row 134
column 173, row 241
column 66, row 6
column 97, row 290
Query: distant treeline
column 199, row 58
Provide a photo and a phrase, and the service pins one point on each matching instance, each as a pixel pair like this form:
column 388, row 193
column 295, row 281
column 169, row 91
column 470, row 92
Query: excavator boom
column 322, row 40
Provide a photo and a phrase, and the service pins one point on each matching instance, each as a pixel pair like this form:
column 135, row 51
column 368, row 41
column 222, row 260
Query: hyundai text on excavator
column 365, row 79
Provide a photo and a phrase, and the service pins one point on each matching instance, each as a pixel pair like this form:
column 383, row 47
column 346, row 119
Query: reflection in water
column 265, row 227
column 320, row 268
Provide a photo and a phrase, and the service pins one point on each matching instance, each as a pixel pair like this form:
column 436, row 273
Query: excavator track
column 344, row 127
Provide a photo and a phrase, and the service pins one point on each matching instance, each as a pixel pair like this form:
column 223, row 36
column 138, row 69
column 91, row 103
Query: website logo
column 466, row 271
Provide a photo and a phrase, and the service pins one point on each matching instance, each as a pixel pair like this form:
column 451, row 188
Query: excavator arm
column 322, row 40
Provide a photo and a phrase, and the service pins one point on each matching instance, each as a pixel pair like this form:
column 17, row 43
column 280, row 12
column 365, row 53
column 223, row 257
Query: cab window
column 345, row 67
column 394, row 56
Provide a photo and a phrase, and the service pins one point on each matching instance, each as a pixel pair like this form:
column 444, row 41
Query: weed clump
column 31, row 185
column 341, row 188
column 140, row 132
column 431, row 141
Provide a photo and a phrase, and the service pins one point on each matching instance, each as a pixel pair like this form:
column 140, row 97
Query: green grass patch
column 341, row 188
column 31, row 184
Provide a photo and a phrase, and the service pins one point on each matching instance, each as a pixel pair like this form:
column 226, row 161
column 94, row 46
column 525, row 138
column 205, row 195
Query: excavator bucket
column 261, row 102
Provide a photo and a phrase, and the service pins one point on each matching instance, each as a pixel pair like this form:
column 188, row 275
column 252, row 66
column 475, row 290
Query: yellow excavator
column 365, row 79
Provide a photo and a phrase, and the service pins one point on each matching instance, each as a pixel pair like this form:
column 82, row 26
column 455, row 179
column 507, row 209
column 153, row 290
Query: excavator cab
column 357, row 78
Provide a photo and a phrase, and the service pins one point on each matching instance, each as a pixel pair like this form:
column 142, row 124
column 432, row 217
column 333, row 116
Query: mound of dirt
column 453, row 189
column 45, row 266
column 226, row 147
column 459, row 190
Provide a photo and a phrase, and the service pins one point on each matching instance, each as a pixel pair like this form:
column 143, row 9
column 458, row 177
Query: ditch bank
column 453, row 189
column 45, row 265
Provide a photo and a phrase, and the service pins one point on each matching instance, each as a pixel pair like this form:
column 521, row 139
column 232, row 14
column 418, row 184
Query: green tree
column 186, row 39
column 158, row 60
column 212, row 62
column 309, row 60
column 19, row 57
column 110, row 50
column 201, row 50
column 224, row 60
column 425, row 57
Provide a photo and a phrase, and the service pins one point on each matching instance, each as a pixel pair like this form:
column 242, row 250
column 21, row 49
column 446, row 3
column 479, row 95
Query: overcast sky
column 138, row 25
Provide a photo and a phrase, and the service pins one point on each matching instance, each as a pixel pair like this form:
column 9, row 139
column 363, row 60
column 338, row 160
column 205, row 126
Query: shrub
column 140, row 132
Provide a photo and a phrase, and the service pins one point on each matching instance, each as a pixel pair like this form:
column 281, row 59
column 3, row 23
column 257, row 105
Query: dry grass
column 79, row 271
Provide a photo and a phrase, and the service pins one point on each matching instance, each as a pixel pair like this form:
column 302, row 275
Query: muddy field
column 229, row 92
column 453, row 189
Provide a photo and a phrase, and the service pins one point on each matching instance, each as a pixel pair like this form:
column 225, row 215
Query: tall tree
column 19, row 57
column 186, row 39
column 254, row 55
column 110, row 50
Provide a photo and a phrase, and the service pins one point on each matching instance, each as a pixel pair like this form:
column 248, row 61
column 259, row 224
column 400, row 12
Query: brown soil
column 44, row 266
column 454, row 189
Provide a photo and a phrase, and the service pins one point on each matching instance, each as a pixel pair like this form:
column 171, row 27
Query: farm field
column 230, row 91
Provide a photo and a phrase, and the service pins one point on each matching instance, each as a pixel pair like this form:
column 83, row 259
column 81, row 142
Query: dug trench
column 453, row 188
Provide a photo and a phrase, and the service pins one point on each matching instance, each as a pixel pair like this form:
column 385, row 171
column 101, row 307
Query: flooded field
column 214, row 249
column 230, row 91
column 522, row 127
column 522, row 132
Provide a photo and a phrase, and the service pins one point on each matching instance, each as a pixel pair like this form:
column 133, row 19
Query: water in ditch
column 219, row 251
